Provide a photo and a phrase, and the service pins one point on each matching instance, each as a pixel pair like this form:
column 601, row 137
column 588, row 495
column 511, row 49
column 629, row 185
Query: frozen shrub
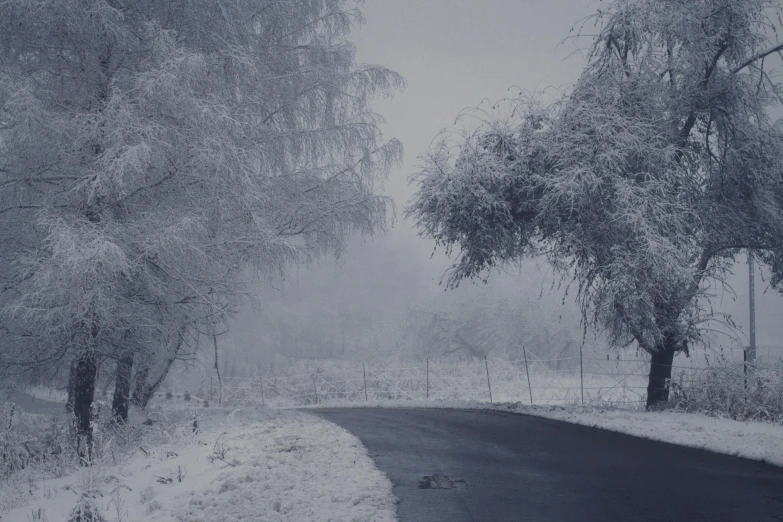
column 13, row 453
column 730, row 392
column 34, row 441
column 186, row 396
column 169, row 396
column 153, row 506
column 85, row 511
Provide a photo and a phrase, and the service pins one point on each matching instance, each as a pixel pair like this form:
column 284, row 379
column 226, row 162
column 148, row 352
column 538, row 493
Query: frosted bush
column 86, row 511
column 730, row 392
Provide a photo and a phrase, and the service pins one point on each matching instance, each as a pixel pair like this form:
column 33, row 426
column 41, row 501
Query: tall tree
column 643, row 183
column 152, row 154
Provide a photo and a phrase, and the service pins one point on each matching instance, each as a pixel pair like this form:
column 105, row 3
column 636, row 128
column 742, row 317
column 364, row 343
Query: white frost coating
column 288, row 466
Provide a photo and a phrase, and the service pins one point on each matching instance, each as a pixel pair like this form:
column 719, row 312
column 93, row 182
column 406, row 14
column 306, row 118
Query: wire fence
column 531, row 380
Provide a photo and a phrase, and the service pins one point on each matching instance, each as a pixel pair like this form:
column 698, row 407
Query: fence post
column 745, row 366
column 315, row 387
column 364, row 373
column 489, row 386
column 261, row 377
column 581, row 374
column 211, row 392
column 527, row 372
column 428, row 377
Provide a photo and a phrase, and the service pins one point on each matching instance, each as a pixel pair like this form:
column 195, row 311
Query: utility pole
column 752, row 295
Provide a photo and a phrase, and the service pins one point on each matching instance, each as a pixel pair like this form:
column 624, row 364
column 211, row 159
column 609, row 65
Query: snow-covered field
column 270, row 466
column 538, row 381
column 563, row 381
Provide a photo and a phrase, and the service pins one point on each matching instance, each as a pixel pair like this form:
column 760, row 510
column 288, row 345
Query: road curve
column 486, row 466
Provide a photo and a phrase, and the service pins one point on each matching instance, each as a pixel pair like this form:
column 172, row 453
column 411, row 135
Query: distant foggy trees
column 643, row 183
column 496, row 320
column 378, row 303
column 154, row 156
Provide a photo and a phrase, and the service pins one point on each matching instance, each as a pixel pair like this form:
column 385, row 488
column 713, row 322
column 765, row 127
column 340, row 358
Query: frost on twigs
column 220, row 452
column 752, row 393
column 86, row 511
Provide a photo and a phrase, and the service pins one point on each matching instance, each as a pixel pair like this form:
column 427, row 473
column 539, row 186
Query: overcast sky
column 456, row 53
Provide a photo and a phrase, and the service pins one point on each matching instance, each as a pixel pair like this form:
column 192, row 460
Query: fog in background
column 382, row 298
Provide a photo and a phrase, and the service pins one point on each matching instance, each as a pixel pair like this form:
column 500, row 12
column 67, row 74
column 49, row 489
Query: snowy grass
column 271, row 466
column 39, row 448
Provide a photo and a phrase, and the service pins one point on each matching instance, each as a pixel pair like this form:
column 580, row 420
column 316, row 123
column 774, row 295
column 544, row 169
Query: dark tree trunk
column 84, row 393
column 139, row 397
column 145, row 385
column 660, row 373
column 71, row 388
column 122, row 388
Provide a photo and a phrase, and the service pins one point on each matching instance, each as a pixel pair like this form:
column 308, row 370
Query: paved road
column 501, row 466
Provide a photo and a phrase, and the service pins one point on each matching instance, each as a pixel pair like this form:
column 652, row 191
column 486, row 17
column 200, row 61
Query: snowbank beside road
column 752, row 440
column 283, row 466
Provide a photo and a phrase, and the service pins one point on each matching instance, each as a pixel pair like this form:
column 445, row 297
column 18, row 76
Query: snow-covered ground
column 289, row 465
column 271, row 466
column 752, row 440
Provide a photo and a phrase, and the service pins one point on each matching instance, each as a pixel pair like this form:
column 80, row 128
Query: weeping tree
column 641, row 185
column 156, row 156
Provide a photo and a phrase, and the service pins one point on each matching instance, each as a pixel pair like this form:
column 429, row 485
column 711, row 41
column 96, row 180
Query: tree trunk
column 71, row 388
column 122, row 384
column 145, row 388
column 660, row 373
column 139, row 397
column 84, row 393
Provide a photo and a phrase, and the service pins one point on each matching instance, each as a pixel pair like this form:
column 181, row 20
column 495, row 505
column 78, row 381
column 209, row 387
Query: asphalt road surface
column 459, row 465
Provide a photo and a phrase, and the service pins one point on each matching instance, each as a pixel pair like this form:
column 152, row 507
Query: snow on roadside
column 280, row 466
column 751, row 440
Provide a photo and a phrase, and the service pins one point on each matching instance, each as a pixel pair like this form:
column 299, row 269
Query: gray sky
column 456, row 53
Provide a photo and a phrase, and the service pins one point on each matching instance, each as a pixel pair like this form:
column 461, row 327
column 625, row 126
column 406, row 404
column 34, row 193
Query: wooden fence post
column 262, row 390
column 315, row 387
column 527, row 373
column 489, row 386
column 364, row 373
column 581, row 375
column 428, row 377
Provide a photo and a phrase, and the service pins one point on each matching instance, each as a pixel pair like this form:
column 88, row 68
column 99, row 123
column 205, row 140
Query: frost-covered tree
column 643, row 183
column 153, row 154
